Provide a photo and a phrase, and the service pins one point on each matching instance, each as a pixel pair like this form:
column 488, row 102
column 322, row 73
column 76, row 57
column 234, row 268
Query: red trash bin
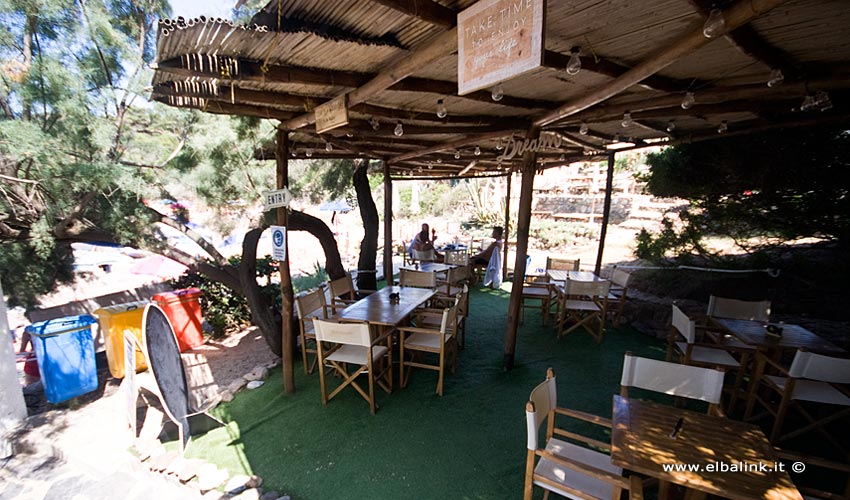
column 183, row 308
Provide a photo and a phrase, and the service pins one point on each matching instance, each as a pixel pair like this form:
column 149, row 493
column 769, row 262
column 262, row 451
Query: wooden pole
column 388, row 225
column 529, row 165
column 282, row 162
column 606, row 211
column 507, row 234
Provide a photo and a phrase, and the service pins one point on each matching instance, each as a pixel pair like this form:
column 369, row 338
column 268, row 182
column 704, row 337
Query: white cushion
column 356, row 354
column 709, row 356
column 574, row 479
column 812, row 390
column 425, row 341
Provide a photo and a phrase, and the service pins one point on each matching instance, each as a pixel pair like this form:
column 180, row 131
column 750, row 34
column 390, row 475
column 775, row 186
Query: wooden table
column 558, row 275
column 376, row 308
column 793, row 336
column 430, row 267
column 641, row 442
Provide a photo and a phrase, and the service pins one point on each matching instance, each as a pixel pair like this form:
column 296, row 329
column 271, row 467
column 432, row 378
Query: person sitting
column 424, row 241
column 482, row 258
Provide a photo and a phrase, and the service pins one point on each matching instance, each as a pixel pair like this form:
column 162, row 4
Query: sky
column 208, row 8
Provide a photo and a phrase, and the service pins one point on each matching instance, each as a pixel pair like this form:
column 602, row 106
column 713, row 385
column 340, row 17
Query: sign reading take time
column 498, row 40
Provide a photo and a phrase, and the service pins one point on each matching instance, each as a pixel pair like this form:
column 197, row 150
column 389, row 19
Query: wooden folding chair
column 560, row 264
column 538, row 292
column 343, row 293
column 341, row 345
column 583, row 304
column 617, row 294
column 706, row 355
column 721, row 307
column 417, row 279
column 424, row 255
column 811, row 378
column 417, row 340
column 576, row 471
column 685, row 381
column 309, row 305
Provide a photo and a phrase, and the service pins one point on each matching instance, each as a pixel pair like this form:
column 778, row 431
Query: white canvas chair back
column 813, row 366
column 558, row 264
column 343, row 333
column 597, row 289
column 493, row 274
column 692, row 382
column 721, row 307
column 684, row 325
column 456, row 257
column 545, row 399
column 424, row 255
column 418, row 279
column 620, row 278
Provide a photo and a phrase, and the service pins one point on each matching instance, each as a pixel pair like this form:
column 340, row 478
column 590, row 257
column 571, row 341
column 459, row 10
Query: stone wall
column 621, row 206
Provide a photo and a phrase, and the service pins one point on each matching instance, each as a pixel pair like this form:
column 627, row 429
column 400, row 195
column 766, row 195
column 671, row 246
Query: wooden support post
column 507, row 232
column 282, row 162
column 388, row 225
column 606, row 211
column 523, row 224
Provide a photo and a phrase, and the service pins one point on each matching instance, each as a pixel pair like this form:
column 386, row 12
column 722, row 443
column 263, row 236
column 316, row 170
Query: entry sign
column 278, row 243
column 498, row 40
column 277, row 198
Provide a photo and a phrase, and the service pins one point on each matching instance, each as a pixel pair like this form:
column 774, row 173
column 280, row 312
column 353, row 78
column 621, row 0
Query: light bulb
column 457, row 155
column 419, row 169
column 441, row 110
column 776, row 78
column 439, row 160
column 715, row 25
column 293, row 153
column 308, row 153
column 808, row 103
column 399, row 130
column 562, row 157
column 671, row 126
column 723, row 128
column 430, row 166
column 374, row 123
column 477, row 151
column 688, row 101
column 574, row 64
column 627, row 120
column 497, row 93
column 328, row 147
column 499, row 145
column 583, row 129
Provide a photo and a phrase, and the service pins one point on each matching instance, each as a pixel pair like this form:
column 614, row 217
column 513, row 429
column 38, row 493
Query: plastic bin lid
column 186, row 293
column 120, row 308
column 61, row 325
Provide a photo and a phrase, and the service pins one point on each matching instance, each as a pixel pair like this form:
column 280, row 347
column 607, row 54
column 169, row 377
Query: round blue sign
column 277, row 237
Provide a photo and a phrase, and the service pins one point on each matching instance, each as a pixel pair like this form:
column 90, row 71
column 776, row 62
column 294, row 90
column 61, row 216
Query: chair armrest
column 766, row 359
column 587, row 417
column 414, row 329
column 387, row 334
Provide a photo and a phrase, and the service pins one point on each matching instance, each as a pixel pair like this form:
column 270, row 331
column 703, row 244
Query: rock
column 258, row 373
column 270, row 495
column 249, row 494
column 162, row 462
column 210, row 476
column 226, row 396
column 255, row 384
column 176, row 466
column 190, row 469
column 237, row 484
column 214, row 495
column 272, row 364
column 237, row 385
column 284, row 497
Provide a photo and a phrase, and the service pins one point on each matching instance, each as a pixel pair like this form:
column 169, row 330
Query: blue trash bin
column 65, row 353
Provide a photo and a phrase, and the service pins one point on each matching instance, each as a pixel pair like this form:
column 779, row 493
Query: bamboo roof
column 395, row 58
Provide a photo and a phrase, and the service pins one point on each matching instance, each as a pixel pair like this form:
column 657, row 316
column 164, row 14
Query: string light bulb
column 715, row 25
column 399, row 130
column 328, row 147
column 583, row 128
column 671, row 126
column 776, row 78
column 308, row 153
column 574, row 64
column 477, row 151
column 374, row 123
column 441, row 109
column 498, row 93
column 627, row 120
column 688, row 101
column 499, row 145
column 439, row 160
column 457, row 155
column 723, row 128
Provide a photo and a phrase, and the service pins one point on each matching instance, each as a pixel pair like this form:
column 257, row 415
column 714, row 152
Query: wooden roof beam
column 226, row 108
column 423, row 10
column 739, row 14
column 653, row 128
column 578, row 142
column 451, row 145
column 442, row 46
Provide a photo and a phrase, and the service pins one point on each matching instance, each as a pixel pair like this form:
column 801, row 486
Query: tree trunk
column 299, row 221
column 366, row 272
column 262, row 312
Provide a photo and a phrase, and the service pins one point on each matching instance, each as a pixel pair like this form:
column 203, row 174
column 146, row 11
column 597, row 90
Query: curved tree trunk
column 366, row 272
column 299, row 221
column 262, row 312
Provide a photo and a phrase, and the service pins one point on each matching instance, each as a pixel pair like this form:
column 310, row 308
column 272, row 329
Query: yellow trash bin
column 113, row 321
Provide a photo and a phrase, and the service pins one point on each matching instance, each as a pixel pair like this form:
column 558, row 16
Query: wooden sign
column 498, row 40
column 332, row 114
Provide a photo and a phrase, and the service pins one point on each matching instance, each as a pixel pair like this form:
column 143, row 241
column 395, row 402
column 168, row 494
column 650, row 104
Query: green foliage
column 225, row 311
column 553, row 233
column 26, row 270
column 777, row 186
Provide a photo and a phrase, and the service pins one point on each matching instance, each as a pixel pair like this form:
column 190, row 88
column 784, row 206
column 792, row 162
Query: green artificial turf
column 469, row 443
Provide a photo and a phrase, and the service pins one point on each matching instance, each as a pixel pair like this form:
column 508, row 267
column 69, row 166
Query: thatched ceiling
column 396, row 58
